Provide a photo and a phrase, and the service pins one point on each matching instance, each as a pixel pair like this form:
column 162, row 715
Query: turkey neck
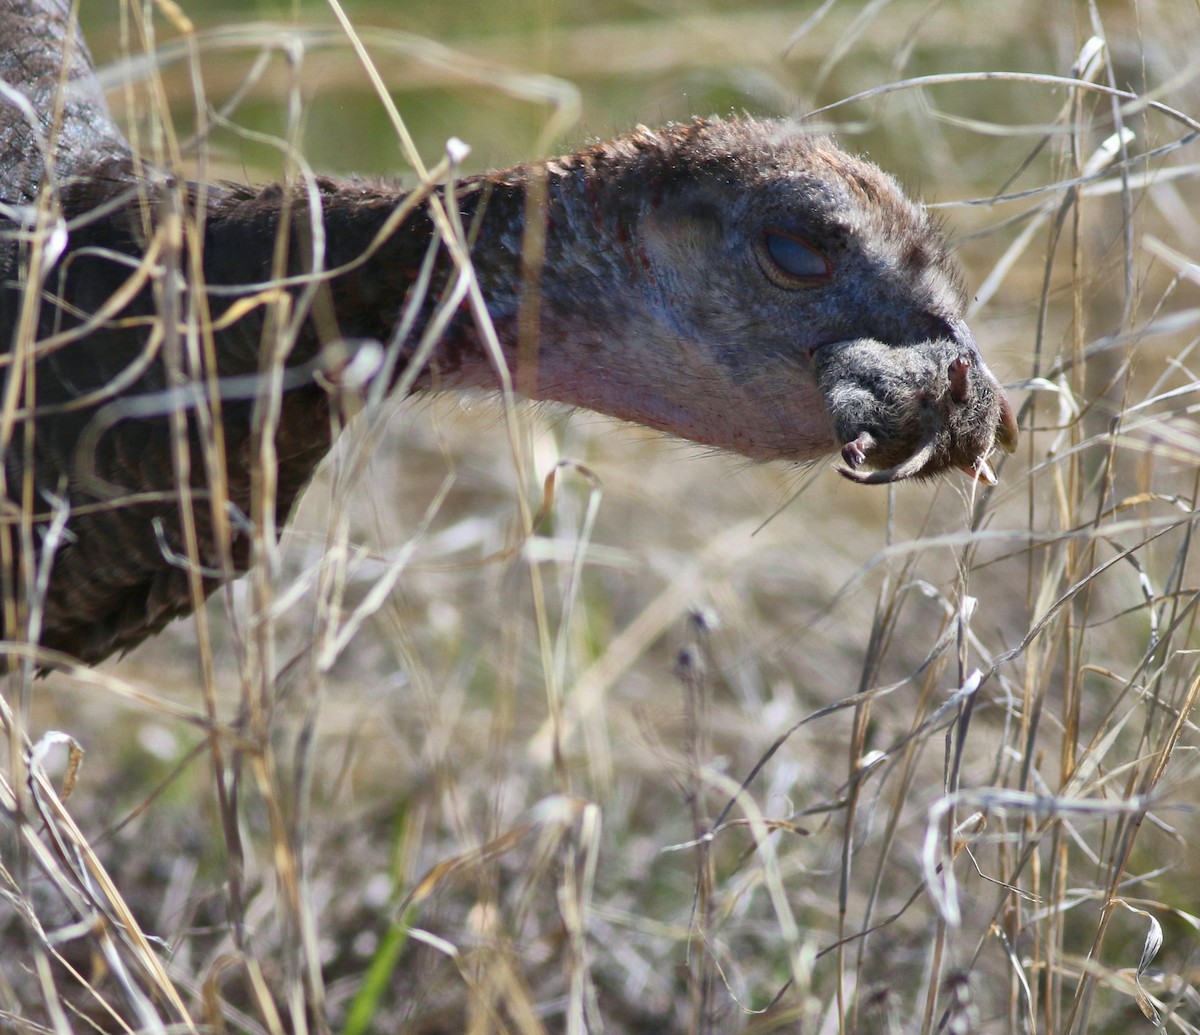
column 552, row 294
column 365, row 271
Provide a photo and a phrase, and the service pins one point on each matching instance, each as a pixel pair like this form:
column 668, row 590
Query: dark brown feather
column 138, row 355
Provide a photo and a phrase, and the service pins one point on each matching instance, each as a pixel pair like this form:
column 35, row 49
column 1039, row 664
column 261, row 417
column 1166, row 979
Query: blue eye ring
column 790, row 261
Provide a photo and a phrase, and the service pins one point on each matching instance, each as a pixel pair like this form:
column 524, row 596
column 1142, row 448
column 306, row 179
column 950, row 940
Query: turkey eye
column 790, row 261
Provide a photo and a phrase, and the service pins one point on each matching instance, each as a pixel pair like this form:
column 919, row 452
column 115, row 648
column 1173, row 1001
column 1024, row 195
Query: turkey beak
column 1006, row 429
column 1006, row 420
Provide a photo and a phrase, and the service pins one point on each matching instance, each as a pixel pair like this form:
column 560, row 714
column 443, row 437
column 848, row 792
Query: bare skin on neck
column 737, row 283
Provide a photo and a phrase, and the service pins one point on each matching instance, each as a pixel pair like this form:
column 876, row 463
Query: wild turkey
column 739, row 283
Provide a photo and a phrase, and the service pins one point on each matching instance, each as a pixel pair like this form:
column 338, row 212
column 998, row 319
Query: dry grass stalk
column 470, row 750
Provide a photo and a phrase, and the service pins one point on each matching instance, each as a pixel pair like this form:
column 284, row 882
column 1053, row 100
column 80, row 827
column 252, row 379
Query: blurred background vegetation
column 451, row 826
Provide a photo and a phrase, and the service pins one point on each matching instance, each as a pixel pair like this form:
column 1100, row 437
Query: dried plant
column 535, row 723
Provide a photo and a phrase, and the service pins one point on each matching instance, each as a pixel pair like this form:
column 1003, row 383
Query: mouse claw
column 982, row 471
column 855, row 452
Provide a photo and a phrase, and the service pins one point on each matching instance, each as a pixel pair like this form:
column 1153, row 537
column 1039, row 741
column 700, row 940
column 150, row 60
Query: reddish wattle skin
column 661, row 301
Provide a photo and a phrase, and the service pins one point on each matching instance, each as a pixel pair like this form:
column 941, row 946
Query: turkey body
column 174, row 350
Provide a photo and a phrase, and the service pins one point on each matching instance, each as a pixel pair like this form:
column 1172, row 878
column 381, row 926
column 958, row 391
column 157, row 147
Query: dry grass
column 690, row 755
